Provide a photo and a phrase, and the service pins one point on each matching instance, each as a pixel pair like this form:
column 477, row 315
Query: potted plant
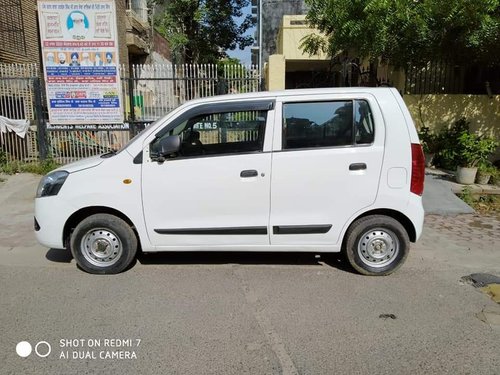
column 484, row 172
column 495, row 178
column 429, row 143
column 472, row 150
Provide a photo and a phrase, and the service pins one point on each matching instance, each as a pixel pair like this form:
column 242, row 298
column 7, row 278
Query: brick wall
column 30, row 27
column 160, row 45
column 121, row 20
column 31, row 36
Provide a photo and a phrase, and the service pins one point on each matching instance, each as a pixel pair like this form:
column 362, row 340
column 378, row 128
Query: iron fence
column 437, row 77
column 148, row 91
column 19, row 95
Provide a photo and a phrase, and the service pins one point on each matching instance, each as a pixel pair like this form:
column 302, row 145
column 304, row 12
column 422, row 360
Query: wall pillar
column 275, row 73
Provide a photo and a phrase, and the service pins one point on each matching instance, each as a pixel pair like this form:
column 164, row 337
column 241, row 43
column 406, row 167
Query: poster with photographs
column 80, row 58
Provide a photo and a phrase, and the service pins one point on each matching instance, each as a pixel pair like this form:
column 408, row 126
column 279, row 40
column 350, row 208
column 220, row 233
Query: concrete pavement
column 439, row 198
column 247, row 313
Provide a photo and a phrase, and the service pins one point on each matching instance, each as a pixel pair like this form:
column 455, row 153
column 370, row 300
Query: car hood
column 79, row 165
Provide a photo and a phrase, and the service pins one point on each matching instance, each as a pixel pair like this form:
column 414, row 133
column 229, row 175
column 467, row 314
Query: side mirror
column 170, row 145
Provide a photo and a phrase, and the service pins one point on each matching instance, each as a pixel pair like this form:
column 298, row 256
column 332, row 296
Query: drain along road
column 246, row 313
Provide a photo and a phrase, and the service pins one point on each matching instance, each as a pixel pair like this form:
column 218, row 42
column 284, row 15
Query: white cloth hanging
column 20, row 127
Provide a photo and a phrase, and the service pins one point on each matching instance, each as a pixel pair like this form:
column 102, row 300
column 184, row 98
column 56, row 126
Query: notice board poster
column 80, row 57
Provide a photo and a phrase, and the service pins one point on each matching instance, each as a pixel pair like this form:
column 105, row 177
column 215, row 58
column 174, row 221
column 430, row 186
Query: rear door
column 326, row 166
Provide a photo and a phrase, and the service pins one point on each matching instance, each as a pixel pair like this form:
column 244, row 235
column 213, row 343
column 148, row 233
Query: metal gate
column 21, row 98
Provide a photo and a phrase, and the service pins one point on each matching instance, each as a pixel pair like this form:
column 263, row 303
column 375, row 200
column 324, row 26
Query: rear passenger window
column 327, row 124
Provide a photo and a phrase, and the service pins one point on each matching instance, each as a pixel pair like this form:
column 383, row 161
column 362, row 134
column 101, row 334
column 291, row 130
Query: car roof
column 293, row 92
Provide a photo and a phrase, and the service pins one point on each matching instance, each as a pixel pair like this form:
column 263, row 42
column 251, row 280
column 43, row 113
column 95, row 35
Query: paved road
column 247, row 313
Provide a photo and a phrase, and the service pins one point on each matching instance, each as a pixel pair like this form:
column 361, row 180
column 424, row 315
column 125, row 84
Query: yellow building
column 291, row 67
column 436, row 107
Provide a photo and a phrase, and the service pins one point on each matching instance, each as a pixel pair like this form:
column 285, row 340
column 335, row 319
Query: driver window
column 219, row 133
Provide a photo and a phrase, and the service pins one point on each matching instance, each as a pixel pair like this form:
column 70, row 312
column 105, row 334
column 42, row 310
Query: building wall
column 30, row 27
column 272, row 14
column 293, row 29
column 121, row 19
column 440, row 111
column 275, row 73
column 160, row 53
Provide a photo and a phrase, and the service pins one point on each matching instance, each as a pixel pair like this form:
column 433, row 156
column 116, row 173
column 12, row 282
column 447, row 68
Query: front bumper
column 51, row 214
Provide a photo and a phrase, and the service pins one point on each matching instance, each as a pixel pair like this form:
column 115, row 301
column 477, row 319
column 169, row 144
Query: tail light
column 417, row 169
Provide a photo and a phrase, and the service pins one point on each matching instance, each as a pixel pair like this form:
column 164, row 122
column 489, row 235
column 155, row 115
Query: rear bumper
column 416, row 214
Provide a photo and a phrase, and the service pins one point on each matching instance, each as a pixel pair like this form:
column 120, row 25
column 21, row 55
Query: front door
column 216, row 190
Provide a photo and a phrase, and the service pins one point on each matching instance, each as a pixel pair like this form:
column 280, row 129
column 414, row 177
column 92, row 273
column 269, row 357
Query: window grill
column 12, row 38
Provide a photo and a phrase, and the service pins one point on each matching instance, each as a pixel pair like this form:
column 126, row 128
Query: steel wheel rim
column 378, row 247
column 101, row 247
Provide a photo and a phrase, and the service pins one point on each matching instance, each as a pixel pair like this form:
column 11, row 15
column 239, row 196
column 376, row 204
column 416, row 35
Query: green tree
column 200, row 31
column 404, row 31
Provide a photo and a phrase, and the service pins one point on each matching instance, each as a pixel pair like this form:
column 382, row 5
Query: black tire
column 103, row 244
column 376, row 245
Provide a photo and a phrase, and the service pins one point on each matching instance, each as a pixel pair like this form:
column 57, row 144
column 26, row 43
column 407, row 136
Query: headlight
column 51, row 184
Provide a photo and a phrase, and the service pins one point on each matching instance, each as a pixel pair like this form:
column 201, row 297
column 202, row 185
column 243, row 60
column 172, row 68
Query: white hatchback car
column 320, row 170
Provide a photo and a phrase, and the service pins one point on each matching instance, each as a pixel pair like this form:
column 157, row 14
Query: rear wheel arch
column 397, row 215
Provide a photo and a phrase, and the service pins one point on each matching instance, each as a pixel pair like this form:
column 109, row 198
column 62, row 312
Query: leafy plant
column 429, row 141
column 405, row 31
column 200, row 31
column 467, row 196
column 486, row 168
column 41, row 168
column 447, row 139
column 460, row 147
column 3, row 157
column 495, row 177
column 472, row 149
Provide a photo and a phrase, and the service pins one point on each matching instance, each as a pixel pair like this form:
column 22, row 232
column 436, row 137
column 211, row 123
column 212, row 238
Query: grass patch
column 484, row 204
column 466, row 195
column 487, row 204
column 41, row 168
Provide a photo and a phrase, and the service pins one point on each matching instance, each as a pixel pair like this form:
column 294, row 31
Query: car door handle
column 357, row 166
column 249, row 173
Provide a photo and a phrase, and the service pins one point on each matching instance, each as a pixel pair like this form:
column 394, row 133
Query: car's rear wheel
column 103, row 244
column 376, row 245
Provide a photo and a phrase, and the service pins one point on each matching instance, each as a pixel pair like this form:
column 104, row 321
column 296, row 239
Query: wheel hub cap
column 101, row 247
column 378, row 247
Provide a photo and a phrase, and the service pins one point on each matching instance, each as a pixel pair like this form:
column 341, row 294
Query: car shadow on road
column 333, row 260
column 244, row 258
column 59, row 256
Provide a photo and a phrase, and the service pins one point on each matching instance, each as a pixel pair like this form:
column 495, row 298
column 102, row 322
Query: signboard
column 123, row 126
column 80, row 57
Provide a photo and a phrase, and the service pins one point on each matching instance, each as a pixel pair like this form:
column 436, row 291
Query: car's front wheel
column 376, row 245
column 103, row 244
